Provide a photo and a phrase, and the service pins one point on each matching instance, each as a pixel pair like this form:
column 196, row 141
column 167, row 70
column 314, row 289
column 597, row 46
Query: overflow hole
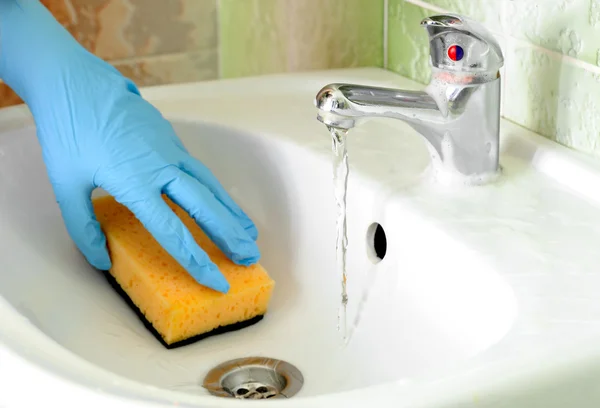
column 376, row 243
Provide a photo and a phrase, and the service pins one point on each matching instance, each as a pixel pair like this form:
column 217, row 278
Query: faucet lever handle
column 459, row 44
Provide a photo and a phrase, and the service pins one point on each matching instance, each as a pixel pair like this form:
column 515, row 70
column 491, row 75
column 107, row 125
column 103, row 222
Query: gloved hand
column 96, row 130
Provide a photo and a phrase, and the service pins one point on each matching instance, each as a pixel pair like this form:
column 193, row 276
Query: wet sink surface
column 472, row 278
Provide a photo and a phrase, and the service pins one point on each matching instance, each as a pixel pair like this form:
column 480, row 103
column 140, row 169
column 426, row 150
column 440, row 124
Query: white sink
column 486, row 296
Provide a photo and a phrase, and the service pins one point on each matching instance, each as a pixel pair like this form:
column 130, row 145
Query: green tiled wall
column 408, row 45
column 268, row 36
column 552, row 56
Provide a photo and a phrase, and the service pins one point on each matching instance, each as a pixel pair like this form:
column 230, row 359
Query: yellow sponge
column 172, row 305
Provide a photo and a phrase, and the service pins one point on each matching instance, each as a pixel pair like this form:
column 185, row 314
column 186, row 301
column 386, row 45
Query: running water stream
column 340, row 182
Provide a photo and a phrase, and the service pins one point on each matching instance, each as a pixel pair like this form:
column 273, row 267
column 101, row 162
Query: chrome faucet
column 458, row 113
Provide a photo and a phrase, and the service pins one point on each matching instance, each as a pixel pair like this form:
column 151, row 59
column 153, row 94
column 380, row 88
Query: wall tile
column 408, row 43
column 173, row 68
column 171, row 41
column 115, row 29
column 268, row 36
column 252, row 37
column 554, row 97
column 488, row 12
column 335, row 33
column 571, row 27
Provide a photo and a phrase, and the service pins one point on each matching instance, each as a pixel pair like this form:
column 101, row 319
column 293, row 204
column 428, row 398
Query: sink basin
column 483, row 294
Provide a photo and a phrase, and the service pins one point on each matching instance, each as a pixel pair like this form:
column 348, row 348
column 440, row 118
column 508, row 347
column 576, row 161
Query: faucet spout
column 341, row 105
column 458, row 113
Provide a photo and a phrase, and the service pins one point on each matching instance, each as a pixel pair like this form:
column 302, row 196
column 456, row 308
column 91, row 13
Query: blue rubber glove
column 96, row 130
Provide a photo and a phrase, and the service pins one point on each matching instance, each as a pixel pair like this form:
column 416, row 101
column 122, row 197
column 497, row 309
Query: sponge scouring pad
column 168, row 300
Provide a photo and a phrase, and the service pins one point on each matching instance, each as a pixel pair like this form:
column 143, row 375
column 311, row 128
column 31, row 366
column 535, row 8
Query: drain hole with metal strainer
column 254, row 378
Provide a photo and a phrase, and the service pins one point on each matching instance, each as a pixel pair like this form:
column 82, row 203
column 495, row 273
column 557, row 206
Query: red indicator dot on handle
column 455, row 53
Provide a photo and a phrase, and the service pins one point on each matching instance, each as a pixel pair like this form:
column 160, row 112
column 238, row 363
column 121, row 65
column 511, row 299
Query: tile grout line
column 386, row 23
column 218, row 26
column 557, row 55
column 514, row 40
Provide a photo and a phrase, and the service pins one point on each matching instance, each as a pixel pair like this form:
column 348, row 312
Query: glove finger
column 214, row 218
column 198, row 170
column 170, row 232
column 80, row 221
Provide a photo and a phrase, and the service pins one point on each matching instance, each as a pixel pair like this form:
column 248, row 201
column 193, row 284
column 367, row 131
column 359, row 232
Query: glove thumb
column 79, row 218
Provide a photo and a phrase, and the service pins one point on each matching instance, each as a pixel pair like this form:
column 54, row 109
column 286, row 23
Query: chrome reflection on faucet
column 458, row 113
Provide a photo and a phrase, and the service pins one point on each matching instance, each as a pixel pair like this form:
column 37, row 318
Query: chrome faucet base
column 458, row 113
